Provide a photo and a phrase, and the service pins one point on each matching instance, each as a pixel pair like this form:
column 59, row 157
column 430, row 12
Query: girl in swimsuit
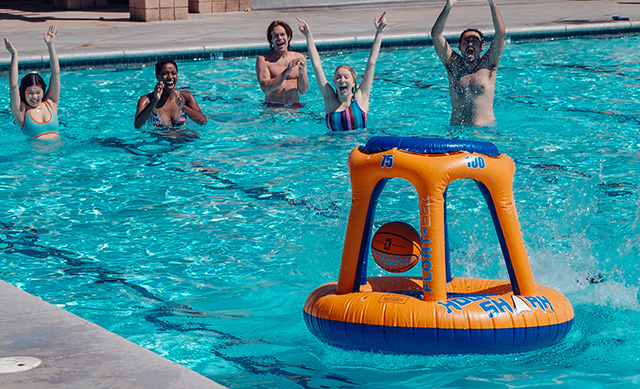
column 167, row 107
column 346, row 107
column 33, row 106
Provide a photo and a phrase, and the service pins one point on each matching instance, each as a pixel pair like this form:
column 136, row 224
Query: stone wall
column 209, row 6
column 155, row 10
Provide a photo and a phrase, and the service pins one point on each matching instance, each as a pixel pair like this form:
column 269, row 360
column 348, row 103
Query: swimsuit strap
column 49, row 107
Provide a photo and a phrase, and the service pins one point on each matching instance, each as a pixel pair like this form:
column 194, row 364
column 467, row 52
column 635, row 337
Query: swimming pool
column 204, row 248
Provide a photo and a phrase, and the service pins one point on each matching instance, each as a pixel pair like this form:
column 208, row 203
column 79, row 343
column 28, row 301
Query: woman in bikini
column 347, row 105
column 167, row 107
column 33, row 106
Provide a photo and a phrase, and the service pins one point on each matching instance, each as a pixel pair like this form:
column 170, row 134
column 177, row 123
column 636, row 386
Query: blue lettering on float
column 450, row 304
column 426, row 266
column 539, row 302
column 500, row 303
column 489, row 307
column 426, row 263
column 425, row 254
column 459, row 302
column 545, row 303
column 387, row 160
column 493, row 306
column 475, row 162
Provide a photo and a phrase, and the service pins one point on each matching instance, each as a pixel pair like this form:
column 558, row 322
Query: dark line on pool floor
column 261, row 193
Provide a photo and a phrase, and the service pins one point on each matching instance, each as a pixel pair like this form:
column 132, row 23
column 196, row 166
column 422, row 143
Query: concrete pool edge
column 76, row 353
column 138, row 57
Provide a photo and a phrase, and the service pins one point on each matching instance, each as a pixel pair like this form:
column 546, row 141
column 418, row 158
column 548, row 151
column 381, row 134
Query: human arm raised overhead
column 367, row 81
column 442, row 47
column 497, row 43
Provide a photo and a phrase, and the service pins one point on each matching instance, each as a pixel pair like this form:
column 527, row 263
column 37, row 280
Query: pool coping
column 76, row 353
column 141, row 57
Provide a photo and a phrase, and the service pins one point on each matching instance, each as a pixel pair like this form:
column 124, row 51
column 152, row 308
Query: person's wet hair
column 287, row 29
column 31, row 79
column 164, row 61
column 353, row 74
column 472, row 30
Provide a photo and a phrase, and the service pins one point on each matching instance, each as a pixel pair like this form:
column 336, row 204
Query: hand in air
column 12, row 50
column 303, row 27
column 380, row 23
column 50, row 35
column 451, row 2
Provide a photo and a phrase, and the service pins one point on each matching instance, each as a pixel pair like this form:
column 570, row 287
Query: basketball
column 396, row 247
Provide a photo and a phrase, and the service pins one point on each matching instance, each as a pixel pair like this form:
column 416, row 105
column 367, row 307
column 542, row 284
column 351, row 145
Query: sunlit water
column 204, row 248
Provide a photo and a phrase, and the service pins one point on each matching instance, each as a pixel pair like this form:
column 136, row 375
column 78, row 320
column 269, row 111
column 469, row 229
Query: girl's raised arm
column 367, row 80
column 53, row 93
column 14, row 89
column 325, row 88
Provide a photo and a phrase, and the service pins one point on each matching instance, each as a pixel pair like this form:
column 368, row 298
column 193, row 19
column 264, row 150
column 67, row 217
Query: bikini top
column 157, row 121
column 37, row 129
column 352, row 118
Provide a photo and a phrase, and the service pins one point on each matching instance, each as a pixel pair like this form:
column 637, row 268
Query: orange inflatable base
column 478, row 316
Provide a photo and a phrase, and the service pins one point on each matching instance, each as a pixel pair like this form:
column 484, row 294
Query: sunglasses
column 471, row 39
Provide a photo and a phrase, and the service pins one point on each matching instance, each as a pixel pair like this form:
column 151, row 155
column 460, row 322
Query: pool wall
column 136, row 57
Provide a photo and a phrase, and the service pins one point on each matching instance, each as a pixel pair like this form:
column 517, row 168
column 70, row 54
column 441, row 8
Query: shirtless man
column 282, row 73
column 472, row 75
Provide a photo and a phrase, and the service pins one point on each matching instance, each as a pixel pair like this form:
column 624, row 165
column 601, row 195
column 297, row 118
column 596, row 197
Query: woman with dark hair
column 33, row 106
column 167, row 107
column 347, row 105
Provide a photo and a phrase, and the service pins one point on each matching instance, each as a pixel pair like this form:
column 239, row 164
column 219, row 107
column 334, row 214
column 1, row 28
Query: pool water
column 204, row 246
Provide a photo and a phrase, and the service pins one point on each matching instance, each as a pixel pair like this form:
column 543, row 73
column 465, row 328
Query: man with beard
column 472, row 75
column 282, row 73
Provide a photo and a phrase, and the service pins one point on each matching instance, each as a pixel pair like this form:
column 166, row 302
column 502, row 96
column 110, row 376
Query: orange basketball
column 396, row 247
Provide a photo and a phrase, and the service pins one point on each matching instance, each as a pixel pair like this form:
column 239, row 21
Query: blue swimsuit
column 352, row 118
column 36, row 129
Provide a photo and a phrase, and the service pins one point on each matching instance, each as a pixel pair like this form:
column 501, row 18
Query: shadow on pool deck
column 79, row 354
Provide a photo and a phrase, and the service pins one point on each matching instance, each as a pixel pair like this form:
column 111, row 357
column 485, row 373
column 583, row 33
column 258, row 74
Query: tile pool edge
column 144, row 57
column 76, row 353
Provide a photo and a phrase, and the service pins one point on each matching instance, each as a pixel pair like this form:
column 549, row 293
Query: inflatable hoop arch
column 435, row 313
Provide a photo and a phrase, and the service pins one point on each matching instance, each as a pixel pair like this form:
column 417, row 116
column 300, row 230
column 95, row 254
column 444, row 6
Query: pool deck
column 107, row 36
column 76, row 353
column 79, row 354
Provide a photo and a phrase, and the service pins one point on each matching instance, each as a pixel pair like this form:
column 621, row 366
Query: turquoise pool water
column 204, row 247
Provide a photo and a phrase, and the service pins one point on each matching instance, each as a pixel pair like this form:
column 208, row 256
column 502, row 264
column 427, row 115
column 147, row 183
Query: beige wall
column 208, row 6
column 156, row 10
